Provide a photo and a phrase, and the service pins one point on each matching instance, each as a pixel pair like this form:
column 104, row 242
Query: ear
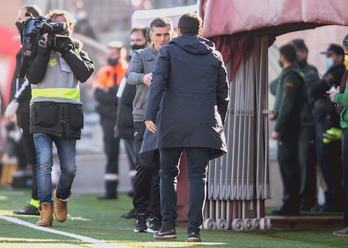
column 151, row 36
column 199, row 31
column 179, row 32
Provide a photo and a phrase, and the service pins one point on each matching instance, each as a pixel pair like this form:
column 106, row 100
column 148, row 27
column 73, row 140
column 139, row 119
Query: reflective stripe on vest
column 56, row 92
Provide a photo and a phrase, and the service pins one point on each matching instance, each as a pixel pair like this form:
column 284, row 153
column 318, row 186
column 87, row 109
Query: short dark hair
column 345, row 42
column 143, row 29
column 33, row 9
column 161, row 22
column 289, row 52
column 190, row 23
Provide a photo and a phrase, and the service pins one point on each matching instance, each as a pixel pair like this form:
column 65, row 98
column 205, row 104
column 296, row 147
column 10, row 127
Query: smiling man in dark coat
column 190, row 76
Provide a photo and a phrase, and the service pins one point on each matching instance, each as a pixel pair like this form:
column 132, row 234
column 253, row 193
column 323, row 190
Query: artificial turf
column 101, row 220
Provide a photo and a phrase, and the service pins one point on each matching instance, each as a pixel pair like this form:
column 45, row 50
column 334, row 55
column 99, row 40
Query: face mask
column 136, row 47
column 301, row 63
column 19, row 26
column 280, row 63
column 329, row 62
column 112, row 62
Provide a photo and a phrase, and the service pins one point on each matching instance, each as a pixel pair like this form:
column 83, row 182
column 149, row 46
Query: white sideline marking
column 45, row 229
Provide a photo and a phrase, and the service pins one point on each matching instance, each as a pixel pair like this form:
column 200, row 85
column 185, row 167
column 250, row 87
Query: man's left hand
column 150, row 126
column 275, row 135
column 333, row 93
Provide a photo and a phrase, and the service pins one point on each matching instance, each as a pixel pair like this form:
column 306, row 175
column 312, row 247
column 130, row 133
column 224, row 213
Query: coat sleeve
column 160, row 76
column 135, row 72
column 273, row 86
column 342, row 99
column 81, row 65
column 24, row 91
column 290, row 90
column 222, row 97
column 37, row 66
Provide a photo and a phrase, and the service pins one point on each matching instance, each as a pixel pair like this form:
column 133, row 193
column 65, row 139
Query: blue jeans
column 197, row 161
column 67, row 158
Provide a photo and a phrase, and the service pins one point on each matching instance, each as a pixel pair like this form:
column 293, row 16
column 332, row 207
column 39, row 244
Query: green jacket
column 342, row 99
column 289, row 98
column 310, row 75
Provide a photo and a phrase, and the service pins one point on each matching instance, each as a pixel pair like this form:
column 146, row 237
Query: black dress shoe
column 27, row 210
column 131, row 215
column 332, row 208
column 317, row 208
column 107, row 197
column 306, row 207
column 286, row 210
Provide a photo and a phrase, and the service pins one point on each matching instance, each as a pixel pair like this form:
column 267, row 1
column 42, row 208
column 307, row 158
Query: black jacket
column 124, row 121
column 20, row 89
column 323, row 108
column 63, row 120
column 191, row 77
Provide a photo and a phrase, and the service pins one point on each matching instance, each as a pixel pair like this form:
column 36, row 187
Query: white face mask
column 329, row 62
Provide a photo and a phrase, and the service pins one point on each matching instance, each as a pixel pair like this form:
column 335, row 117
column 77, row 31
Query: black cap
column 299, row 44
column 333, row 48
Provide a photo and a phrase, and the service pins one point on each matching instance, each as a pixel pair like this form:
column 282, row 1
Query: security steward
column 327, row 119
column 105, row 89
column 288, row 103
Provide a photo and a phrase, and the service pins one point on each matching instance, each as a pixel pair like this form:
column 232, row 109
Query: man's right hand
column 11, row 109
column 150, row 126
column 147, row 79
column 42, row 45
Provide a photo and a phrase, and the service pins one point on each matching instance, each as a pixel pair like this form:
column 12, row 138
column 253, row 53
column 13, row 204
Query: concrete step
column 306, row 222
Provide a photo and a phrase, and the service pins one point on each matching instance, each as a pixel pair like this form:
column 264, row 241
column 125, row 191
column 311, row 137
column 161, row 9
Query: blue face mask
column 329, row 62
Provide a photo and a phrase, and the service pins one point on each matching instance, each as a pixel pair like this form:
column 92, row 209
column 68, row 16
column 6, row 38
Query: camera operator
column 56, row 113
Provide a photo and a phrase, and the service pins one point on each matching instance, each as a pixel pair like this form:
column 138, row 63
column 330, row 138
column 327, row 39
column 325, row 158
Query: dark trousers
column 146, row 199
column 289, row 166
column 197, row 162
column 330, row 162
column 345, row 173
column 111, row 148
column 308, row 161
column 23, row 122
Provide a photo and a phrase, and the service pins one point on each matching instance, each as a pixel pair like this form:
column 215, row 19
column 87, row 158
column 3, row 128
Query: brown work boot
column 46, row 215
column 61, row 208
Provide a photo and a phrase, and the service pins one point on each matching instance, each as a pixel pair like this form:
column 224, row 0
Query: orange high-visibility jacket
column 106, row 75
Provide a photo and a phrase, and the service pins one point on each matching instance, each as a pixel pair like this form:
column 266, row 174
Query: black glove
column 43, row 49
column 66, row 47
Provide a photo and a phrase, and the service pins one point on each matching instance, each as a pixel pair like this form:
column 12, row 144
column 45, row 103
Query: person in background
column 105, row 89
column 56, row 114
column 340, row 98
column 186, row 109
column 124, row 121
column 327, row 121
column 290, row 97
column 146, row 182
column 20, row 96
column 306, row 146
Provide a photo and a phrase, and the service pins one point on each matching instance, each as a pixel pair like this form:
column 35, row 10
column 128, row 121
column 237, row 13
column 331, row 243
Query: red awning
column 233, row 24
column 234, row 16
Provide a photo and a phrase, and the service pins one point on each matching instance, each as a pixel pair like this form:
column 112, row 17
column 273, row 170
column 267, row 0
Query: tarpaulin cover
column 232, row 24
